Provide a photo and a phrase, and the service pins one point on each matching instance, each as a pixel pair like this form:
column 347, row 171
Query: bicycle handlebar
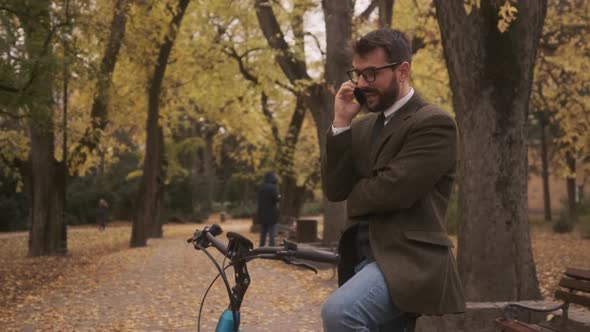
column 290, row 250
column 240, row 251
column 217, row 244
column 301, row 253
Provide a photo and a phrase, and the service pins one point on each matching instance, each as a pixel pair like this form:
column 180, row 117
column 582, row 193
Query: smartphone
column 359, row 96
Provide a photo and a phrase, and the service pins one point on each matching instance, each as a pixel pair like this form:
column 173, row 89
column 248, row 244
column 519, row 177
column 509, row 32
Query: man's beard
column 386, row 98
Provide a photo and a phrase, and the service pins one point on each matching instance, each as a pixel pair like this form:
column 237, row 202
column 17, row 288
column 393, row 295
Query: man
column 395, row 166
column 267, row 209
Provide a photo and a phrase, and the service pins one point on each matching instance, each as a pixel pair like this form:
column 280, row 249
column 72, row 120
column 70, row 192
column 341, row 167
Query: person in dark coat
column 267, row 208
column 102, row 214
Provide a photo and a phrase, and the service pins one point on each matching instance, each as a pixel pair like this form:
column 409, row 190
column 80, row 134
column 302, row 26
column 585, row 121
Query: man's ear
column 404, row 71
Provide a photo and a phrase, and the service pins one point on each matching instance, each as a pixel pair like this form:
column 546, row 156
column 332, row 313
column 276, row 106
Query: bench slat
column 578, row 273
column 572, row 298
column 573, row 279
column 579, row 285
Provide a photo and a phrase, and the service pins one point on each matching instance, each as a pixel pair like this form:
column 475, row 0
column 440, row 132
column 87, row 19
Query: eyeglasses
column 369, row 74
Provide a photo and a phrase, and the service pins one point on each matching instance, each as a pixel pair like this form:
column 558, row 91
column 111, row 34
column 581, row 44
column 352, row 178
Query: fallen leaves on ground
column 102, row 285
column 553, row 253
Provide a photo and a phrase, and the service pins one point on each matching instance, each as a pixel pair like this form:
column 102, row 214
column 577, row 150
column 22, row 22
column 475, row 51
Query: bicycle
column 240, row 251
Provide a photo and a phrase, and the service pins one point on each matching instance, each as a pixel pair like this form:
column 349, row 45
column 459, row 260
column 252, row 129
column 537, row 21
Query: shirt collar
column 398, row 104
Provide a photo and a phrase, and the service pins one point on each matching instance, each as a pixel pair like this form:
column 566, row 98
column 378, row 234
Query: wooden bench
column 575, row 288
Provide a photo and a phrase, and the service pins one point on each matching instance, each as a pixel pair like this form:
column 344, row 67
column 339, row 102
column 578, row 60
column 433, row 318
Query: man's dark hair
column 395, row 44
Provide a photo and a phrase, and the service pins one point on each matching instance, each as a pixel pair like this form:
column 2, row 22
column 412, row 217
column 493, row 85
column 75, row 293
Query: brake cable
column 224, row 277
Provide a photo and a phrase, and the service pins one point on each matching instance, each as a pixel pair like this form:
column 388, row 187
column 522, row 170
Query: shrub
column 584, row 227
column 12, row 214
column 12, row 205
column 242, row 209
column 563, row 224
column 312, row 208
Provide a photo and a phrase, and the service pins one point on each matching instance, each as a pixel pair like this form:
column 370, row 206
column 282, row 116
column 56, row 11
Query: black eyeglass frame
column 374, row 70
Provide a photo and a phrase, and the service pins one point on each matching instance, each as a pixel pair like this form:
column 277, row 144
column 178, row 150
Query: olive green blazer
column 401, row 184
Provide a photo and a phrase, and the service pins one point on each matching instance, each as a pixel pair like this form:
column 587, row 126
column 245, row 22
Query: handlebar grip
column 317, row 255
column 217, row 244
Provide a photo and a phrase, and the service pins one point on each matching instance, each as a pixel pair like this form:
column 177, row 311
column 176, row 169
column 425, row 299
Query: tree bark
column 291, row 203
column 385, row 13
column 292, row 194
column 318, row 99
column 570, row 184
column 46, row 215
column 545, row 170
column 491, row 77
column 338, row 18
column 46, row 236
column 147, row 218
column 209, row 168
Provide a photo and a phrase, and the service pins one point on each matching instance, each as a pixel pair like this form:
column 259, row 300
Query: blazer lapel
column 397, row 119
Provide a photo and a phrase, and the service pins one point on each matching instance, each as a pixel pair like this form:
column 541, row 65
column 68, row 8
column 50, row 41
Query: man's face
column 385, row 90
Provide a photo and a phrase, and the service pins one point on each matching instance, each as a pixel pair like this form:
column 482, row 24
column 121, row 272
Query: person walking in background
column 102, row 214
column 395, row 167
column 267, row 208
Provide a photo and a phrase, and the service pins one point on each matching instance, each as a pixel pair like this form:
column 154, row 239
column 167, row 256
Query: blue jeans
column 270, row 229
column 363, row 304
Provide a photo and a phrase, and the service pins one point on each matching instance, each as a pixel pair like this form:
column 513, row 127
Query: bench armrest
column 510, row 311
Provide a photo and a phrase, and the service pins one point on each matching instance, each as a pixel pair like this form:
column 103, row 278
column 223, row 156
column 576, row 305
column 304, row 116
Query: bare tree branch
column 7, row 88
column 364, row 16
column 293, row 68
column 317, row 42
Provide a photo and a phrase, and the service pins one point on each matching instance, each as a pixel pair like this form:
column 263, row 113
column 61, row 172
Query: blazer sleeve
column 338, row 174
column 428, row 153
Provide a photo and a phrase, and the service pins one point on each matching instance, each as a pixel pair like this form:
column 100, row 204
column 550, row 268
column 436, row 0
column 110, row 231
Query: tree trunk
column 63, row 175
column 292, row 199
column 291, row 194
column 570, row 183
column 545, row 170
column 385, row 13
column 209, row 168
column 338, row 18
column 491, row 77
column 46, row 236
column 98, row 113
column 319, row 99
column 290, row 205
column 147, row 219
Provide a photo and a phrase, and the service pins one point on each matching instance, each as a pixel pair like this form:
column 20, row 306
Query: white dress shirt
column 388, row 113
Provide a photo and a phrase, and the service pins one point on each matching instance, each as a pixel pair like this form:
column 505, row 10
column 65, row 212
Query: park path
column 159, row 288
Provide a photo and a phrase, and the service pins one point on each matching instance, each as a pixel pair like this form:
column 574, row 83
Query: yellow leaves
column 470, row 5
column 104, row 286
column 507, row 14
column 429, row 72
column 13, row 144
column 553, row 253
column 134, row 174
column 561, row 73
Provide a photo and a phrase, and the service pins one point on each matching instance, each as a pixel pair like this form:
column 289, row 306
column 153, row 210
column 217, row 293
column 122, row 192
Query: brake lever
column 301, row 264
column 196, row 239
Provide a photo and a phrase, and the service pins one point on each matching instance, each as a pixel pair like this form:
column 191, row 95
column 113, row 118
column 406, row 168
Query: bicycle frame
column 240, row 250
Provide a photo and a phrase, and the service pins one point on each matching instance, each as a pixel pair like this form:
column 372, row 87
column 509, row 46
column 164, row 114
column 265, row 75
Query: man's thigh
column 364, row 301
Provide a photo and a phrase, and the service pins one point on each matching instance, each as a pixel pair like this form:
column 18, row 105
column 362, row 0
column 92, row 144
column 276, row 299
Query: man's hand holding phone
column 346, row 105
